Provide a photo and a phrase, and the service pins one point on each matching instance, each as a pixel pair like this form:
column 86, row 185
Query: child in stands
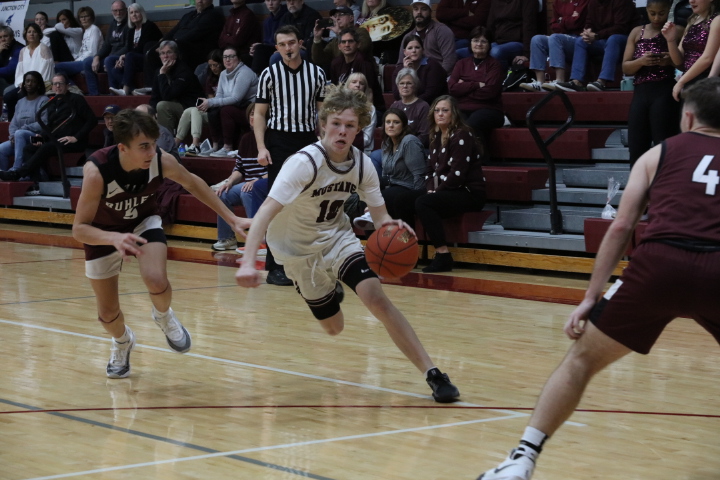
column 653, row 108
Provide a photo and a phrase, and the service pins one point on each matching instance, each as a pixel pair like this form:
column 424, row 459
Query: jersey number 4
column 710, row 179
column 329, row 213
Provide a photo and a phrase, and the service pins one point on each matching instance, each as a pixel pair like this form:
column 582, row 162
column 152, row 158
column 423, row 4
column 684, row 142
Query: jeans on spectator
column 232, row 197
column 134, row 62
column 258, row 195
column 169, row 113
column 611, row 49
column 70, row 68
column 432, row 208
column 558, row 46
column 276, row 57
column 8, row 149
column 506, row 52
column 376, row 158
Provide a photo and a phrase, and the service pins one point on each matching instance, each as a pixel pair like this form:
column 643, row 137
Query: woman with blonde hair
column 370, row 8
column 366, row 138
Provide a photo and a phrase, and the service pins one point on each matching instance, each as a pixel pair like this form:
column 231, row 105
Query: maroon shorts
column 660, row 284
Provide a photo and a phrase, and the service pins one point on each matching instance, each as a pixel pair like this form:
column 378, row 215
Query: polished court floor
column 265, row 394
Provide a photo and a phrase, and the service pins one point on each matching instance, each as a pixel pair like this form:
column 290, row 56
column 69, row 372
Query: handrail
column 51, row 135
column 556, row 222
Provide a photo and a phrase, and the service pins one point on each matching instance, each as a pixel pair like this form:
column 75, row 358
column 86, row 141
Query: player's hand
column 400, row 224
column 248, row 186
column 575, row 326
column 247, row 276
column 240, row 225
column 127, row 244
column 264, row 157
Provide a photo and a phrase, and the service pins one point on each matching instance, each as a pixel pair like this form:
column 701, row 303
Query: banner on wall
column 12, row 14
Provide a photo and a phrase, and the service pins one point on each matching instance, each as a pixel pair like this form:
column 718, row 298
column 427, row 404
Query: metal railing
column 556, row 221
column 58, row 147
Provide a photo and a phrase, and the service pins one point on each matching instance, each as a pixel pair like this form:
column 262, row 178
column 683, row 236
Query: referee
column 289, row 96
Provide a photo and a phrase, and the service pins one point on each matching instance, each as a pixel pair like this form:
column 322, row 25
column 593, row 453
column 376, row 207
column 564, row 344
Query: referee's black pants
column 281, row 145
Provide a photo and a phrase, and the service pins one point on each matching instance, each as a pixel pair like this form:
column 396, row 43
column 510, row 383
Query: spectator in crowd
column 304, row 18
column 9, row 55
column 65, row 38
column 91, row 41
column 699, row 45
column 476, row 84
column 41, row 19
column 238, row 188
column 192, row 119
column 370, row 9
column 365, row 139
column 433, row 79
column 114, row 46
column 567, row 25
column 606, row 32
column 404, row 165
column 351, row 60
column 323, row 53
column 24, row 124
column 35, row 56
column 71, row 136
column 455, row 183
column 512, row 25
column 349, row 4
column 285, row 114
column 437, row 38
column 109, row 117
column 142, row 34
column 242, row 29
column 462, row 16
column 226, row 110
column 261, row 52
column 653, row 111
column 681, row 12
column 196, row 35
column 166, row 141
column 175, row 88
column 416, row 109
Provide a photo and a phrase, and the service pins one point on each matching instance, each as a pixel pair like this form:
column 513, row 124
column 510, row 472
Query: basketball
column 391, row 251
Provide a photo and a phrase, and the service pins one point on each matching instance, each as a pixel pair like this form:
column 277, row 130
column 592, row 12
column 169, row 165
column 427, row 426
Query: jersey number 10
column 710, row 179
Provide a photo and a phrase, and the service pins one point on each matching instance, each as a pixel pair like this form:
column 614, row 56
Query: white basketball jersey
column 313, row 190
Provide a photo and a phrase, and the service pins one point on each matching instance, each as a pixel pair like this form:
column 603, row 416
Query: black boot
column 9, row 176
column 443, row 262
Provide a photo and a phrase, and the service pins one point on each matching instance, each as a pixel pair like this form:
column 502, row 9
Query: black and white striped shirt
column 292, row 95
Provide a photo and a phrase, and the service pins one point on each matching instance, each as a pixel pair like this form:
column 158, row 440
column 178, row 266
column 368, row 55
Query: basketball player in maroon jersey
column 116, row 218
column 675, row 271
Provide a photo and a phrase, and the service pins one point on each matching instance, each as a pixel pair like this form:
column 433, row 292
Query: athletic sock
column 124, row 338
column 159, row 314
column 428, row 370
column 531, row 443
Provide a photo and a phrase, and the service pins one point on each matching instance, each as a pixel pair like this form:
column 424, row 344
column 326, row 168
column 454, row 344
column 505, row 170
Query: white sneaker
column 217, row 187
column 177, row 337
column 223, row 152
column 119, row 364
column 550, row 85
column 142, row 91
column 226, row 244
column 261, row 251
column 117, row 91
column 515, row 467
column 364, row 222
column 533, row 86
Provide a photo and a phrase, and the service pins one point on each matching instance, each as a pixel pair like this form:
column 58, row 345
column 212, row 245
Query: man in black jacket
column 115, row 45
column 304, row 19
column 196, row 34
column 9, row 56
column 72, row 135
column 175, row 88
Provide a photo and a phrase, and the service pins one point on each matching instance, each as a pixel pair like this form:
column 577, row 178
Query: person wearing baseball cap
column 438, row 40
column 109, row 116
column 323, row 53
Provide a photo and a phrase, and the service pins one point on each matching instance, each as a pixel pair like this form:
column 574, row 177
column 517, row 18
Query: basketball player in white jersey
column 311, row 236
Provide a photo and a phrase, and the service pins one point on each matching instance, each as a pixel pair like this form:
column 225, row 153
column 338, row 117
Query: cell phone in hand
column 326, row 23
column 198, row 102
column 35, row 140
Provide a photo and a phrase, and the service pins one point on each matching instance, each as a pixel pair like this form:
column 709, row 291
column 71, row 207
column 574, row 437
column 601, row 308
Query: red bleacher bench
column 69, row 159
column 457, row 228
column 10, row 190
column 513, row 184
column 211, row 169
column 74, row 196
column 574, row 144
column 190, row 209
column 589, row 107
column 595, row 229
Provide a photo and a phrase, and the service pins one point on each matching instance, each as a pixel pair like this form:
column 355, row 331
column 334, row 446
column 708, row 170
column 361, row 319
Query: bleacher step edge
column 538, row 218
column 574, row 195
column 611, row 153
column 55, row 189
column 536, row 240
column 593, row 177
column 43, row 201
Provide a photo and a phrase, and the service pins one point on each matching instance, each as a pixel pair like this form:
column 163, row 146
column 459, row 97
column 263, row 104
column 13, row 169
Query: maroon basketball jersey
column 129, row 197
column 685, row 195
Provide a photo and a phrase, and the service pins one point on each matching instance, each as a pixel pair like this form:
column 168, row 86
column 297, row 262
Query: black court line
column 158, row 438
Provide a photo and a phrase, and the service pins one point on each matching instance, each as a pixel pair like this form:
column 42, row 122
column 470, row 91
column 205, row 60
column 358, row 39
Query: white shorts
column 111, row 265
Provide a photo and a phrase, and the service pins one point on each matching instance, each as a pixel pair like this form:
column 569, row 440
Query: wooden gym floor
column 264, row 394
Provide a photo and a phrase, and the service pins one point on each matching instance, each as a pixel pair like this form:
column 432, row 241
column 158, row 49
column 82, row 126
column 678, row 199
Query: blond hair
column 339, row 99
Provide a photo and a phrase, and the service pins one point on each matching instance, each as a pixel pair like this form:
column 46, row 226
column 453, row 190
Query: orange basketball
column 391, row 251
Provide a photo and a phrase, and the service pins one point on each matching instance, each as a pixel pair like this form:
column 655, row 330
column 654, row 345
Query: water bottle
column 4, row 116
column 181, row 150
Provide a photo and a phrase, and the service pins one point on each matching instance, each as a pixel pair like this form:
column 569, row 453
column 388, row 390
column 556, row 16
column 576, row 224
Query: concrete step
column 495, row 235
column 538, row 218
column 585, row 196
column 611, row 153
column 55, row 189
column 43, row 201
column 596, row 176
column 74, row 171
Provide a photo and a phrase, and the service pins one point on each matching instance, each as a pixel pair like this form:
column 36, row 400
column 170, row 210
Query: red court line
column 406, row 407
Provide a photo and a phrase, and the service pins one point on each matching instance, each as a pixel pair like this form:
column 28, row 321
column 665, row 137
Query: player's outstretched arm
column 83, row 230
column 199, row 189
column 247, row 275
column 381, row 217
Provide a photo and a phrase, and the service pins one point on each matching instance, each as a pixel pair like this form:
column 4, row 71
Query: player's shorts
column 661, row 283
column 104, row 261
column 315, row 275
